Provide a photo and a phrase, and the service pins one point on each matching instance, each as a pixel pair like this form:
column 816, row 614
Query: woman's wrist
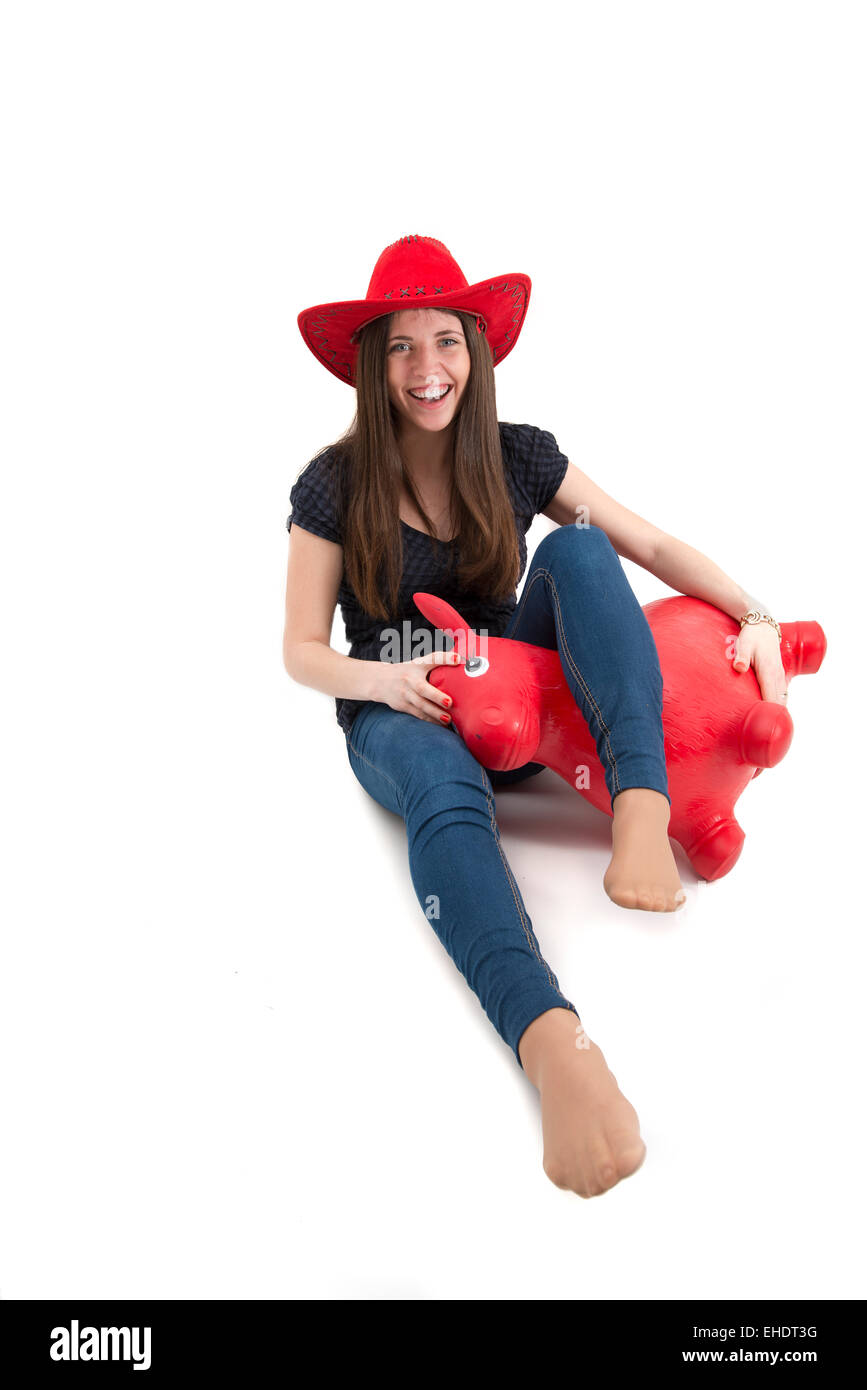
column 375, row 677
column 754, row 612
column 755, row 616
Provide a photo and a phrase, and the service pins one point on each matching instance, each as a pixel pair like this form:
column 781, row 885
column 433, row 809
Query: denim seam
column 531, row 940
column 546, row 574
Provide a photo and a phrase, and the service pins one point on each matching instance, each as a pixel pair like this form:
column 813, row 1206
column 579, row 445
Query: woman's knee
column 574, row 543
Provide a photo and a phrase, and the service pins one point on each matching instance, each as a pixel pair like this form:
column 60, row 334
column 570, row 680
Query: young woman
column 428, row 491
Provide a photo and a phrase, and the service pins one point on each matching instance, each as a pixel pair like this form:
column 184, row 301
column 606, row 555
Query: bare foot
column 590, row 1130
column 642, row 872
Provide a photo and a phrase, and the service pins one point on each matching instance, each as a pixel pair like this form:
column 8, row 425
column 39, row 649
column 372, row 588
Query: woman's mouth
column 426, row 401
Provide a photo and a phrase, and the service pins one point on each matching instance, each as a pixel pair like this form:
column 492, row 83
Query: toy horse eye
column 475, row 666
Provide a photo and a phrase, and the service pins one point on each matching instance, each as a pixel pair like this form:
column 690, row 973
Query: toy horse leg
column 717, row 850
column 766, row 734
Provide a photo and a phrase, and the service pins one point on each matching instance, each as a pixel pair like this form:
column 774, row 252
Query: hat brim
column 329, row 329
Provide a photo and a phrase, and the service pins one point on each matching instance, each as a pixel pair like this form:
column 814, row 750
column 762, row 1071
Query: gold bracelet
column 754, row 616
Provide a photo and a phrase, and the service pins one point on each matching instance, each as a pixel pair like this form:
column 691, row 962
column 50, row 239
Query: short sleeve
column 536, row 465
column 313, row 501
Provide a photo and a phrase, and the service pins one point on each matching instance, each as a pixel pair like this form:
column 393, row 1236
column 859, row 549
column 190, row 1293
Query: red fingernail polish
column 445, row 719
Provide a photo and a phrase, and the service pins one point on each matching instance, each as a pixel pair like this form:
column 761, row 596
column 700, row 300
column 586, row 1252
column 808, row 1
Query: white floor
column 728, row 1026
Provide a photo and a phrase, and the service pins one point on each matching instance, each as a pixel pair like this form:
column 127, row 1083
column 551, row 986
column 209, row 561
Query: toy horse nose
column 492, row 715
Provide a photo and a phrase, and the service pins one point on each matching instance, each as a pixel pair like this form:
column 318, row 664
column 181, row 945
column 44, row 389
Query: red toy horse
column 718, row 731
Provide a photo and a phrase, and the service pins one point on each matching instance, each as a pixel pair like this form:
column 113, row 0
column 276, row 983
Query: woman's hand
column 759, row 646
column 404, row 685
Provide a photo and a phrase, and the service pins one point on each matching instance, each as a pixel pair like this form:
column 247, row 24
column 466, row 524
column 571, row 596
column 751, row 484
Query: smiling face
column 426, row 352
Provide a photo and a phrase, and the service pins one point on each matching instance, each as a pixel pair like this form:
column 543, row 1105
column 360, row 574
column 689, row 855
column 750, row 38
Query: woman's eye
column 442, row 340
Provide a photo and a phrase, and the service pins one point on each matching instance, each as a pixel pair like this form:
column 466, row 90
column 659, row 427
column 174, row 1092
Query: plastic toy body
column 513, row 706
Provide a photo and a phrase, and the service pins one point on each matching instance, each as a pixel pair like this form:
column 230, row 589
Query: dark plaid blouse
column 534, row 468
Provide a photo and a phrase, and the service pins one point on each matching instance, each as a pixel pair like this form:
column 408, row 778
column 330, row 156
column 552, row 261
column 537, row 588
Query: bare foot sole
column 642, row 873
column 590, row 1133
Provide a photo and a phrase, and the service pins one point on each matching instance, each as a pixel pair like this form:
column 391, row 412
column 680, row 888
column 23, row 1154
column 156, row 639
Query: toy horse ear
column 443, row 616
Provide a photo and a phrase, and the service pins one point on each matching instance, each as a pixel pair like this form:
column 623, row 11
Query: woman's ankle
column 641, row 801
column 549, row 1032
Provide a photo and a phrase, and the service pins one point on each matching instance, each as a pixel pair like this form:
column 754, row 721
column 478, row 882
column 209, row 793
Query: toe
column 607, row 1175
column 630, row 1158
column 623, row 897
column 603, row 1171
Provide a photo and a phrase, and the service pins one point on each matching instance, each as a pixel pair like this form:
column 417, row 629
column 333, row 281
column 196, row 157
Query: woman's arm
column 679, row 566
column 312, row 586
column 312, row 582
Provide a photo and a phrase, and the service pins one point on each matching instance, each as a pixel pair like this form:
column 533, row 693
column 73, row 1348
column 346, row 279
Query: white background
column 237, row 1062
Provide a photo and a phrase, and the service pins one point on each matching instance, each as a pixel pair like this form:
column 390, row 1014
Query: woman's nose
column 429, row 362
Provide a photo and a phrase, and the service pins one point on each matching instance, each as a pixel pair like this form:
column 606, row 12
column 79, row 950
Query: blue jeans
column 576, row 600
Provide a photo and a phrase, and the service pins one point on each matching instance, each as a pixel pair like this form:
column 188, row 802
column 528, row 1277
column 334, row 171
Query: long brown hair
column 371, row 471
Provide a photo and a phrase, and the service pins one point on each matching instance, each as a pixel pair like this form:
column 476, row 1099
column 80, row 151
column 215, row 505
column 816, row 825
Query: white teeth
column 430, row 393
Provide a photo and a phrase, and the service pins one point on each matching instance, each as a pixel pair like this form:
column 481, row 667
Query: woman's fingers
column 438, row 658
column 772, row 680
column 430, row 703
column 764, row 656
column 745, row 649
column 436, row 700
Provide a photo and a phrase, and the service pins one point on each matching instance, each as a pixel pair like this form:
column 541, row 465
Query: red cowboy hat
column 417, row 272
